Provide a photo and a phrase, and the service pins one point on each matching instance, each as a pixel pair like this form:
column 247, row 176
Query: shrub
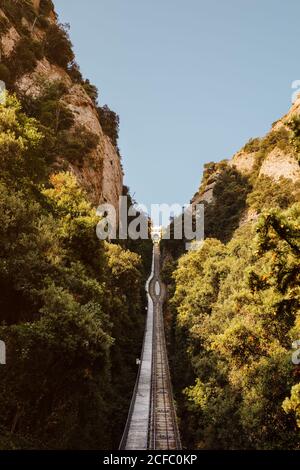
column 24, row 58
column 76, row 145
column 253, row 145
column 279, row 138
column 4, row 25
column 58, row 47
column 109, row 121
column 74, row 73
column 268, row 193
column 46, row 6
column 230, row 193
column 64, row 297
column 43, row 22
column 294, row 126
column 15, row 10
column 91, row 90
column 49, row 109
column 4, row 73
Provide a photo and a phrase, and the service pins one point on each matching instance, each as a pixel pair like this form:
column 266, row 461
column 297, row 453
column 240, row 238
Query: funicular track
column 152, row 422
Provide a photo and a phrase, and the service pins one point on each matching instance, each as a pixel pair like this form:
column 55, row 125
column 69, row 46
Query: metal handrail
column 152, row 424
column 151, row 436
column 158, row 322
column 123, row 442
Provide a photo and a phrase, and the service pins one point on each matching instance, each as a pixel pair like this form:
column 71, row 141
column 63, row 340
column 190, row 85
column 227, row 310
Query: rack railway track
column 152, row 421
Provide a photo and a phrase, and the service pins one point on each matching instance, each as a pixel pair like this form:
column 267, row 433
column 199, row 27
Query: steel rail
column 161, row 431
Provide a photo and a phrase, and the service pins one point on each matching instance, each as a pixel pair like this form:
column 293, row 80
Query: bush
column 279, row 138
column 58, row 48
column 43, row 23
column 4, row 73
column 76, row 145
column 64, row 297
column 49, row 109
column 294, row 126
column 15, row 10
column 46, row 6
column 74, row 73
column 4, row 25
column 253, row 145
column 223, row 215
column 268, row 193
column 24, row 58
column 91, row 90
column 109, row 121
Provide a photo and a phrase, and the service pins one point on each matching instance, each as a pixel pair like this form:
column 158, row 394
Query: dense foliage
column 233, row 310
column 109, row 121
column 238, row 314
column 71, row 306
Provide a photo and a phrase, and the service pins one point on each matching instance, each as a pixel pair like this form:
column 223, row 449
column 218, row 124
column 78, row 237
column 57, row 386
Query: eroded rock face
column 9, row 39
column 33, row 83
column 278, row 164
column 243, row 161
column 112, row 175
column 206, row 196
column 83, row 109
column 100, row 171
column 255, row 161
column 293, row 111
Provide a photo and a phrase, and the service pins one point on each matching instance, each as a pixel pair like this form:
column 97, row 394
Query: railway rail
column 152, row 422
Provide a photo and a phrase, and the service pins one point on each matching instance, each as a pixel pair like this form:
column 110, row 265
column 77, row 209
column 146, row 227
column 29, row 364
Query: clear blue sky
column 192, row 80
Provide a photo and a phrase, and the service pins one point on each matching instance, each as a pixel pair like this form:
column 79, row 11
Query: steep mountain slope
column 36, row 52
column 71, row 307
column 234, row 304
column 234, row 189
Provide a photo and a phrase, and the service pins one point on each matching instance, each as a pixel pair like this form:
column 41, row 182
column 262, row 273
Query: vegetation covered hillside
column 38, row 64
column 71, row 307
column 234, row 305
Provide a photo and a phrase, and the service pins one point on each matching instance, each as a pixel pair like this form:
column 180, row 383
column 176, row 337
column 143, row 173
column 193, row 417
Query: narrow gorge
column 73, row 308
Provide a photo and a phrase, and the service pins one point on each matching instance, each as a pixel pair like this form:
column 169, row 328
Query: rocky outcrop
column 33, row 83
column 9, row 39
column 279, row 164
column 293, row 111
column 274, row 156
column 207, row 195
column 276, row 164
column 100, row 171
column 243, row 161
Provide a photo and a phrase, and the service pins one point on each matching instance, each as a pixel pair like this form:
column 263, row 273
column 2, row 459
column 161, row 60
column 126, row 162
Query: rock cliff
column 268, row 164
column 100, row 170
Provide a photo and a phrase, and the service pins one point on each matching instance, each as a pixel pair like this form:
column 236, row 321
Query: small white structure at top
column 156, row 234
